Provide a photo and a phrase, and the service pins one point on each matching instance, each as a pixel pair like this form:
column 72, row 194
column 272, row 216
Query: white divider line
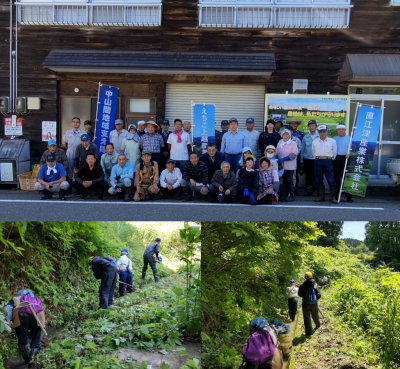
column 187, row 204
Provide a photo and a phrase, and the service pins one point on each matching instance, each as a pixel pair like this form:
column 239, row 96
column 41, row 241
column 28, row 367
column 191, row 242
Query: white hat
column 141, row 122
column 340, row 126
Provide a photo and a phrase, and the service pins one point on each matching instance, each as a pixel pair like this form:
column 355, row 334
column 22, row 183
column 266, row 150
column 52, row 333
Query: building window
column 395, row 2
column 275, row 13
column 90, row 12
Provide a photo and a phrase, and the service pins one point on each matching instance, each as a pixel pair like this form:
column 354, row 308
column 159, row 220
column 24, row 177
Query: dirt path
column 330, row 347
column 292, row 333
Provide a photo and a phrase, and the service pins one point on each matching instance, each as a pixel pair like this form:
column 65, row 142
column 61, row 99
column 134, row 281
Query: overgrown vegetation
column 51, row 259
column 246, row 267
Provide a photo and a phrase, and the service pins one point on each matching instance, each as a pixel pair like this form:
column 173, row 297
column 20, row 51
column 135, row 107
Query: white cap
column 340, row 126
column 141, row 122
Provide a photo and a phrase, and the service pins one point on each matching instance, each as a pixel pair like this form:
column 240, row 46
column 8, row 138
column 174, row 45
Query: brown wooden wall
column 317, row 55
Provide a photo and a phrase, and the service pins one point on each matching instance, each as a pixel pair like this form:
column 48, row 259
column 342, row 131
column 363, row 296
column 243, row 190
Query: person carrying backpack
column 292, row 293
column 124, row 266
column 260, row 349
column 310, row 293
column 106, row 270
column 25, row 324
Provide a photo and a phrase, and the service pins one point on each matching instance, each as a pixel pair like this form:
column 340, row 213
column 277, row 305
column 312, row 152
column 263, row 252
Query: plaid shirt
column 152, row 143
column 299, row 135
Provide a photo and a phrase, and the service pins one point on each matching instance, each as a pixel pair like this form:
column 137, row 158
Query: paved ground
column 26, row 205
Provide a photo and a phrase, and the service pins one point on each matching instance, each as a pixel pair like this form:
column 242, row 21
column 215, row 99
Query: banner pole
column 348, row 151
column 97, row 111
column 192, row 118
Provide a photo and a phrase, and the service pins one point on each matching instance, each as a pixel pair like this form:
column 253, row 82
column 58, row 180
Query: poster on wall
column 105, row 117
column 6, row 172
column 204, row 126
column 13, row 126
column 49, row 130
column 324, row 109
column 363, row 145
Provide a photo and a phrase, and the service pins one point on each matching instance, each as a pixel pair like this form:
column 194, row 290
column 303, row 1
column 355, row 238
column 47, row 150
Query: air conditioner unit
column 300, row 86
column 4, row 104
column 20, row 105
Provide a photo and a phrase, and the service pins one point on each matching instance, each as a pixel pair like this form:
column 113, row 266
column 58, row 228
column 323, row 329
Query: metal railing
column 130, row 13
column 275, row 14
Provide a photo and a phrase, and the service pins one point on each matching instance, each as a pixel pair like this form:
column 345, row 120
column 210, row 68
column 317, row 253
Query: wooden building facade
column 316, row 51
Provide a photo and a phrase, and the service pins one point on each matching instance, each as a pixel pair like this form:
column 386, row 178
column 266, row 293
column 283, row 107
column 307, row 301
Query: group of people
column 28, row 320
column 143, row 164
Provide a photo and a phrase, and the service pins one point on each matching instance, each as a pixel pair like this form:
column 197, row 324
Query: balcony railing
column 275, row 13
column 96, row 13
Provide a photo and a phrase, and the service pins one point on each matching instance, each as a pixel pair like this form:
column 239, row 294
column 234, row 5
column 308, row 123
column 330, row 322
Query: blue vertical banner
column 105, row 118
column 362, row 150
column 204, row 126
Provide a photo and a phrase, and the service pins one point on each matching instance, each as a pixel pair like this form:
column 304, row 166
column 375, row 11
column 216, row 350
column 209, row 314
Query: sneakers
column 84, row 196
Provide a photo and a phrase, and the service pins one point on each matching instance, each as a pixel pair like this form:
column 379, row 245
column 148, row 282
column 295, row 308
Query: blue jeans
column 233, row 161
column 125, row 277
column 321, row 167
column 107, row 287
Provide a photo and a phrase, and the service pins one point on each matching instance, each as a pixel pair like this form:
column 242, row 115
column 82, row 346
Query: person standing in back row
column 72, row 139
column 233, row 143
column 148, row 258
column 310, row 294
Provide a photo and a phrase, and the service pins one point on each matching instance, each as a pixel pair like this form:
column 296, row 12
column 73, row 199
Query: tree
column 360, row 249
column 383, row 238
column 351, row 242
column 331, row 229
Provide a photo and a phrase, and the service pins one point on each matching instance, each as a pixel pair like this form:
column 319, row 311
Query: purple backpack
column 258, row 348
column 35, row 302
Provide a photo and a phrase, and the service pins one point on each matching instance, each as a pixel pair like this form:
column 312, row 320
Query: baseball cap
column 270, row 121
column 250, row 120
column 170, row 161
column 233, row 120
column 224, row 122
column 165, row 121
column 119, row 121
column 322, row 127
column 51, row 142
column 158, row 239
column 51, row 157
column 85, row 137
column 312, row 121
column 146, row 152
column 141, row 122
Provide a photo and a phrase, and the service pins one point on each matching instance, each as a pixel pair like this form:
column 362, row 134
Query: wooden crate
column 27, row 181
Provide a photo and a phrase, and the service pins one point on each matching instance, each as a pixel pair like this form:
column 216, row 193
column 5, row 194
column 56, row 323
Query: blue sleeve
column 61, row 170
column 129, row 174
column 113, row 175
column 41, row 172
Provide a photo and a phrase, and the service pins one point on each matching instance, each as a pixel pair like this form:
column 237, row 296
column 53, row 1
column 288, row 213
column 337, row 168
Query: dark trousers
column 339, row 167
column 288, row 182
column 164, row 161
column 29, row 326
column 181, row 164
column 233, row 161
column 324, row 166
column 297, row 171
column 267, row 199
column 310, row 310
column 156, row 156
column 125, row 277
column 149, row 259
column 107, row 287
column 175, row 191
column 309, row 174
column 292, row 304
column 213, row 195
column 97, row 187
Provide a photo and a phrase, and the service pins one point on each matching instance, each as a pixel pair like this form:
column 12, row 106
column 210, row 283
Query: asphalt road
column 26, row 206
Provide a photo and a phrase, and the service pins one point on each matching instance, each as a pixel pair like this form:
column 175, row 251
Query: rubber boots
column 321, row 191
column 47, row 194
column 33, row 353
column 291, row 193
column 127, row 194
column 143, row 275
column 24, row 351
column 61, row 194
column 100, row 195
column 156, row 278
column 333, row 198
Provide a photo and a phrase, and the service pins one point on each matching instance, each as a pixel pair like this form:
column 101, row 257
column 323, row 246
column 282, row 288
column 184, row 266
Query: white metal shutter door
column 239, row 101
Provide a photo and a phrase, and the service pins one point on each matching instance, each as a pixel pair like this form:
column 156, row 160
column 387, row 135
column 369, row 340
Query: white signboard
column 49, row 130
column 6, row 172
column 13, row 126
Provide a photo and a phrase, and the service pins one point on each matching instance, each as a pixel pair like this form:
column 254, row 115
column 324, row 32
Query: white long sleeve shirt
column 124, row 264
column 172, row 178
column 327, row 148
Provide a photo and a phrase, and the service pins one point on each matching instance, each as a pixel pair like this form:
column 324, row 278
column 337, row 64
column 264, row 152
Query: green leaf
column 144, row 329
column 164, row 366
column 178, row 291
column 117, row 341
column 164, row 352
column 55, row 301
column 90, row 345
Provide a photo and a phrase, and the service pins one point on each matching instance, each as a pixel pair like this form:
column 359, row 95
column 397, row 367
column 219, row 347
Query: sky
column 354, row 230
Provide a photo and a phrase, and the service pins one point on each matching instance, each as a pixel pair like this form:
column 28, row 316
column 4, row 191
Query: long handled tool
column 321, row 312
column 26, row 303
column 126, row 284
